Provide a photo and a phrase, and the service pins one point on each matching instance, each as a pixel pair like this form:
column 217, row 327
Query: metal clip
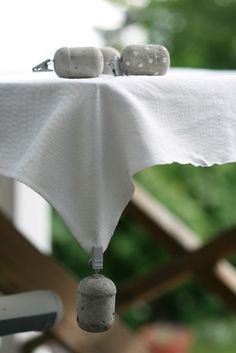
column 115, row 65
column 97, row 258
column 43, row 66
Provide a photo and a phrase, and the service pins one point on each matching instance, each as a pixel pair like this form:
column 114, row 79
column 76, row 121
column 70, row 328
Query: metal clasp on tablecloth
column 43, row 66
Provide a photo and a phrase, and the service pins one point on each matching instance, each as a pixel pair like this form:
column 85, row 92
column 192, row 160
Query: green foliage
column 218, row 336
column 131, row 253
column 204, row 198
column 197, row 33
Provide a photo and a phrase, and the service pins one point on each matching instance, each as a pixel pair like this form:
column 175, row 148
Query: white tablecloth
column 79, row 142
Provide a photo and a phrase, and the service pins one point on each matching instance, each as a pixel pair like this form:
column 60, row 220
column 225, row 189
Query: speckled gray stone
column 109, row 53
column 145, row 60
column 81, row 62
column 96, row 303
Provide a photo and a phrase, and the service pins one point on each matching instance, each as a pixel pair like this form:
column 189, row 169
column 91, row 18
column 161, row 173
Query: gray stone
column 96, row 303
column 81, row 62
column 109, row 53
column 145, row 60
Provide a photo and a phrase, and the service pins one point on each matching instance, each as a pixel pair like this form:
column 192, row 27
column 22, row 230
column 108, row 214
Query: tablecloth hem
column 123, row 203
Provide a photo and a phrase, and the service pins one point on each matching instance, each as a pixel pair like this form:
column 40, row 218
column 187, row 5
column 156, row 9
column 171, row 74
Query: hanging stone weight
column 145, row 60
column 96, row 303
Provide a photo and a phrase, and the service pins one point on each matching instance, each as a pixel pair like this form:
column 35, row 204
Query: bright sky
column 31, row 31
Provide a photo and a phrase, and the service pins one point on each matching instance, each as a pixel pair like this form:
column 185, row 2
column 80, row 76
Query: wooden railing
column 191, row 257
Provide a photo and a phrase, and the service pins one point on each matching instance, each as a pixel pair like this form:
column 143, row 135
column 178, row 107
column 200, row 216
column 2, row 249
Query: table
column 79, row 142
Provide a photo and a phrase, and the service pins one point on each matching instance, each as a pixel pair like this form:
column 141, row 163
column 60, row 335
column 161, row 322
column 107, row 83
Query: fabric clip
column 115, row 65
column 97, row 258
column 43, row 66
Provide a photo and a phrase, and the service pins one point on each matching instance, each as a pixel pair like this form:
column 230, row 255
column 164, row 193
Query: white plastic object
column 31, row 311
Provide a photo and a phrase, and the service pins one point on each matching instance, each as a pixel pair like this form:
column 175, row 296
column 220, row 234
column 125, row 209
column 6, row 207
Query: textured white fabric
column 78, row 142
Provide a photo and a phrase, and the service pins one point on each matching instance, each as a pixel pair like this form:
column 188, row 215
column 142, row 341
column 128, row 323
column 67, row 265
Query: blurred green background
column 198, row 33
